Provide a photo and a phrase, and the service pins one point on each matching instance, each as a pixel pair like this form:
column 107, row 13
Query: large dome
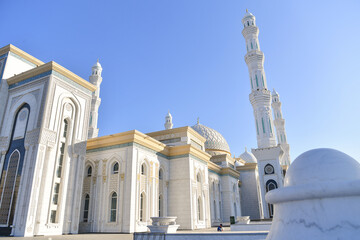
column 214, row 140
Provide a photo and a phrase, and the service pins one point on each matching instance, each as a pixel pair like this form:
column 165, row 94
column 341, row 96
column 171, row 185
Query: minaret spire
column 168, row 121
column 260, row 96
column 279, row 123
column 95, row 79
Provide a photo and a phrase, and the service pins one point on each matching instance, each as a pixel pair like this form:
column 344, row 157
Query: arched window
column 200, row 217
column 161, row 174
column 263, row 125
column 270, row 126
column 198, row 178
column 252, row 86
column 271, row 185
column 160, row 206
column 115, row 168
column 143, row 169
column 113, row 204
column 235, row 211
column 257, row 82
column 86, row 208
column 142, row 205
column 66, row 126
column 268, row 169
column 89, row 171
column 234, row 188
column 252, row 46
column 257, row 127
column 61, row 159
column 215, row 213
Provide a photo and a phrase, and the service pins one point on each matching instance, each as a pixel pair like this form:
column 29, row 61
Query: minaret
column 95, row 79
column 279, row 123
column 260, row 96
column 168, row 121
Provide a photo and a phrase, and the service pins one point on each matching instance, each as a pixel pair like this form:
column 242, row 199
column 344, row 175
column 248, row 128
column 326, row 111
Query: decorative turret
column 168, row 121
column 279, row 123
column 260, row 96
column 95, row 79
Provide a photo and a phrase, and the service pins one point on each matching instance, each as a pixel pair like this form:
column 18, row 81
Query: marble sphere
column 322, row 165
column 320, row 198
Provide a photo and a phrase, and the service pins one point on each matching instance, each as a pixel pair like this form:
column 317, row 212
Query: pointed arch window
column 142, row 205
column 235, row 211
column 113, row 207
column 199, row 209
column 252, row 87
column 252, row 47
column 143, row 169
column 198, row 178
column 257, row 127
column 89, row 171
column 257, row 82
column 262, row 79
column 86, row 208
column 270, row 126
column 263, row 125
column 160, row 206
column 115, row 168
column 271, row 185
column 161, row 174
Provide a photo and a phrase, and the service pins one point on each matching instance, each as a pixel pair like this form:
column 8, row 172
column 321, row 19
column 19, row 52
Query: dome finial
column 198, row 120
column 245, row 149
column 247, row 10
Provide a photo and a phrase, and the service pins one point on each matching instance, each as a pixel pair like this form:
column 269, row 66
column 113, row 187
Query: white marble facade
column 59, row 177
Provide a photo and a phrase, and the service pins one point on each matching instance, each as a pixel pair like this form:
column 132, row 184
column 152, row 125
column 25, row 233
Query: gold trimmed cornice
column 48, row 67
column 21, row 53
column 230, row 171
column 127, row 137
column 247, row 166
column 214, row 167
column 177, row 130
column 188, row 149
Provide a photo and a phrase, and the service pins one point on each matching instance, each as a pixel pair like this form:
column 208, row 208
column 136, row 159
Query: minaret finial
column 98, row 60
column 247, row 10
column 198, row 120
column 245, row 149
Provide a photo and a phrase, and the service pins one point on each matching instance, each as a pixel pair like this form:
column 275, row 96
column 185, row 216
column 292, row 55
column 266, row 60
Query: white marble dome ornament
column 320, row 198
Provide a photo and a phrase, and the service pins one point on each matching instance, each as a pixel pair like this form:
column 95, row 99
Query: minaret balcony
column 250, row 30
column 254, row 56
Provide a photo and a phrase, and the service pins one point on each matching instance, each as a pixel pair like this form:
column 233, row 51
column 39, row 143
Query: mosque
column 59, row 177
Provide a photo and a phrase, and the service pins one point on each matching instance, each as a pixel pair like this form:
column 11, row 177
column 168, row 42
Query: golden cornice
column 217, row 150
column 21, row 53
column 247, row 166
column 48, row 67
column 230, row 171
column 188, row 149
column 214, row 167
column 177, row 130
column 127, row 137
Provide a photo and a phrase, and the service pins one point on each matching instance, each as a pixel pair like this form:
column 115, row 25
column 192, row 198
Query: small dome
column 248, row 157
column 248, row 14
column 322, row 165
column 214, row 140
column 97, row 64
column 168, row 114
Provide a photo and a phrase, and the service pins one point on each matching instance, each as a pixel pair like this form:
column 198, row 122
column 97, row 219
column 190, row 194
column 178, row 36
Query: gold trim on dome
column 21, row 53
column 48, row 67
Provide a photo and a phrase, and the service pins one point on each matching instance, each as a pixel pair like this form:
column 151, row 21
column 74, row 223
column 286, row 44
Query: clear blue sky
column 188, row 56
